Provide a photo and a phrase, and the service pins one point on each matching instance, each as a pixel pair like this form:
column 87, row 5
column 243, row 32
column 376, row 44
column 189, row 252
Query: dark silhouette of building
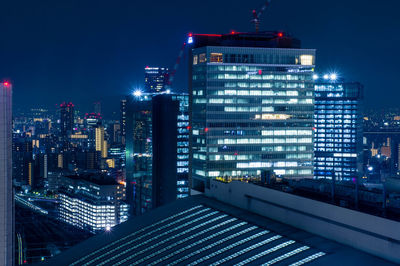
column 66, row 118
column 151, row 136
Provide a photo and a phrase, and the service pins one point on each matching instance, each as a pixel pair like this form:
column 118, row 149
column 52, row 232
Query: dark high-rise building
column 66, row 118
column 122, row 121
column 155, row 79
column 164, row 138
column 151, row 134
column 338, row 129
column 251, row 106
column 6, row 188
column 97, row 108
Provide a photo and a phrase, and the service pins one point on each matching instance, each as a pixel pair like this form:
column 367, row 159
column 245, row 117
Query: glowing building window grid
column 171, row 238
column 120, row 253
column 234, row 73
column 219, row 242
column 243, row 241
column 185, row 240
column 143, row 230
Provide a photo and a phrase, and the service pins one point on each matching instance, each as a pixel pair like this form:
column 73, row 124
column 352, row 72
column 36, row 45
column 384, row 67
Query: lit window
column 216, row 58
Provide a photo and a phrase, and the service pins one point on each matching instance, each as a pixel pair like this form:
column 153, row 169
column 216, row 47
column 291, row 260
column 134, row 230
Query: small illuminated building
column 338, row 128
column 92, row 202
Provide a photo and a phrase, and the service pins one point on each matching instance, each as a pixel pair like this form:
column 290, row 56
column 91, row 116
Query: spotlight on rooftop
column 326, row 76
column 137, row 93
column 315, row 76
column 333, row 76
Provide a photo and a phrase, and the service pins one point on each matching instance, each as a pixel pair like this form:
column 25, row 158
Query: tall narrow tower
column 6, row 191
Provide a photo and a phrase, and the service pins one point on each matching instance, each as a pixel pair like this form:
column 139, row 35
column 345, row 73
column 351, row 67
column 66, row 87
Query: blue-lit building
column 251, row 106
column 182, row 145
column 338, row 129
column 155, row 79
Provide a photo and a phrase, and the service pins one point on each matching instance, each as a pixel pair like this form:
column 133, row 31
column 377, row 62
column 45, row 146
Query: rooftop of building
column 201, row 230
column 266, row 39
column 95, row 178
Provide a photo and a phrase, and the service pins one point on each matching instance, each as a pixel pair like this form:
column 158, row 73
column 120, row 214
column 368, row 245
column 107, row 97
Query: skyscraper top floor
column 265, row 39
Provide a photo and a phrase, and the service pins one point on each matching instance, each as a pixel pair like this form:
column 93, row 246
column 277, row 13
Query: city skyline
column 106, row 57
column 165, row 133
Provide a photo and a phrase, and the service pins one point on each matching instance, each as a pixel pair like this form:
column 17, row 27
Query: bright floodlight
column 108, row 228
column 315, row 76
column 168, row 91
column 333, row 76
column 326, row 76
column 137, row 93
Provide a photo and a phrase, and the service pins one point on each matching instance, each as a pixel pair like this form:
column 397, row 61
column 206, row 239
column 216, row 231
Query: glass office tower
column 251, row 106
column 338, row 129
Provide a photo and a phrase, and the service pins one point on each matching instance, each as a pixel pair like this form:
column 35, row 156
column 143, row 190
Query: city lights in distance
column 168, row 91
column 315, row 76
column 326, row 76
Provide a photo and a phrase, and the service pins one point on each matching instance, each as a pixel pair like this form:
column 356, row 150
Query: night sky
column 85, row 51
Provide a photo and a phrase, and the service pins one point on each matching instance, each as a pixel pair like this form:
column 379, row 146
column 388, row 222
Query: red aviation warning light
column 6, row 83
column 280, row 34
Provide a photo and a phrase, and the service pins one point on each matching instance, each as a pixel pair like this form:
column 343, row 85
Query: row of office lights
column 332, row 77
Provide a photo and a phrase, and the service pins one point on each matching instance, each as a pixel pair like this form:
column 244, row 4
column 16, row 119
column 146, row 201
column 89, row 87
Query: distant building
column 92, row 202
column 122, row 121
column 338, row 129
column 6, row 188
column 155, row 79
column 151, row 148
column 251, row 106
column 93, row 119
column 66, row 118
column 101, row 143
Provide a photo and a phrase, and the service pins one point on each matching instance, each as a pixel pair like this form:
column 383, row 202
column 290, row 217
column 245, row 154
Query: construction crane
column 171, row 73
column 257, row 15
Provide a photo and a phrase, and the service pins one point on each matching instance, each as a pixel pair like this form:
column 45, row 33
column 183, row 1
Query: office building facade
column 338, row 129
column 93, row 203
column 251, row 106
column 6, row 188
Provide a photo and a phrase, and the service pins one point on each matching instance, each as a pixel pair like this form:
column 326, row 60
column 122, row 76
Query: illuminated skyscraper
column 155, row 79
column 6, row 189
column 338, row 129
column 101, row 143
column 251, row 106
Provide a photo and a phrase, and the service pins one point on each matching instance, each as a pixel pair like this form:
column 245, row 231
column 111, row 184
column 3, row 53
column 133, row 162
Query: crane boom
column 257, row 15
column 178, row 60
